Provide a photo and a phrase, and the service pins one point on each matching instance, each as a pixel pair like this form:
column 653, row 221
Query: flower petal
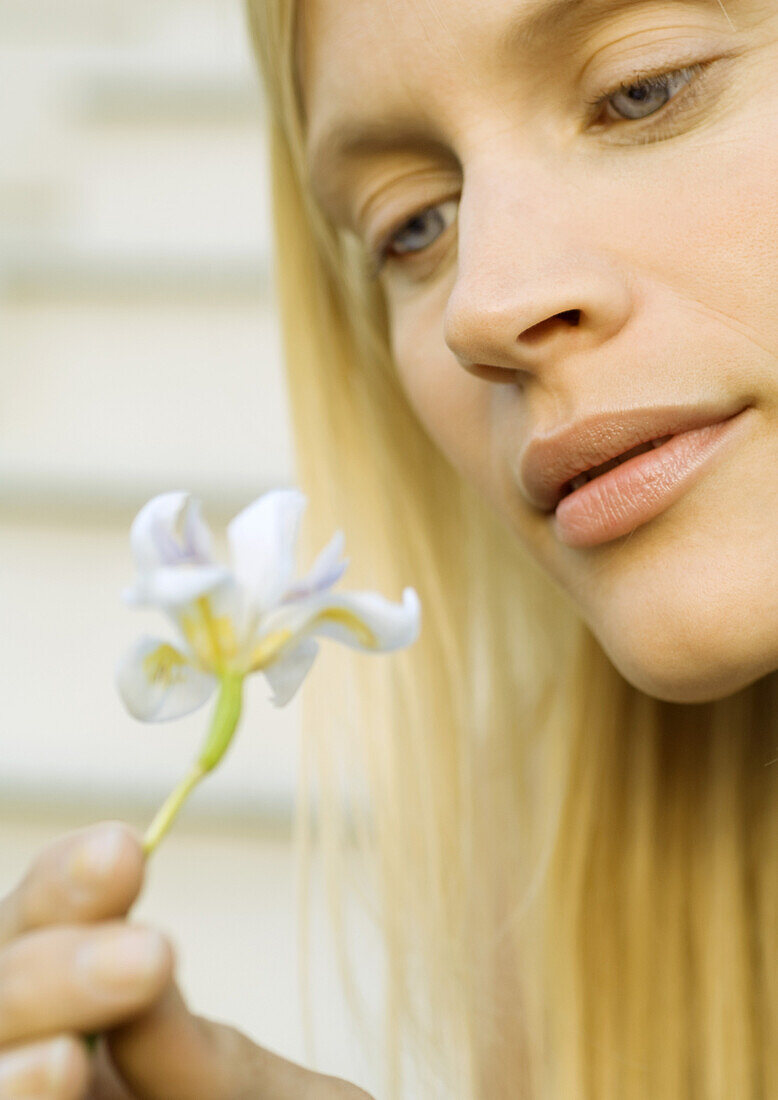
column 262, row 541
column 157, row 682
column 169, row 530
column 325, row 571
column 363, row 620
column 171, row 586
column 368, row 621
column 286, row 674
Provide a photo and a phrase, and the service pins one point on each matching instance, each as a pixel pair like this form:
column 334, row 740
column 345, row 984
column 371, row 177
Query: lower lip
column 641, row 488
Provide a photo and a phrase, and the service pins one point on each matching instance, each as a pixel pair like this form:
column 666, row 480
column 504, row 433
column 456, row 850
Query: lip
column 629, row 495
column 549, row 462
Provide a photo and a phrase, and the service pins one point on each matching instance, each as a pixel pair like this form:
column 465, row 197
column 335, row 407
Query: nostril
column 537, row 332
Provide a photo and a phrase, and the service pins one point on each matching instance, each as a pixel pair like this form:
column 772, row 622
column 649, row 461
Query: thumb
column 170, row 1054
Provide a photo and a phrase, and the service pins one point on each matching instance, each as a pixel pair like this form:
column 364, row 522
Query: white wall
column 139, row 353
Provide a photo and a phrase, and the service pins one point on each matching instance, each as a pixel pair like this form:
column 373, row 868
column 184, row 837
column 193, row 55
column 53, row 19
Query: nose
column 536, row 281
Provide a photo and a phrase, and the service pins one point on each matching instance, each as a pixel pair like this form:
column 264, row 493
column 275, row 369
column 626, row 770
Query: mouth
column 608, row 501
column 597, row 471
column 552, row 464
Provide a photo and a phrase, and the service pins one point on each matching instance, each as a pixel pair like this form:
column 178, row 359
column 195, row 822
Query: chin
column 682, row 684
column 700, row 663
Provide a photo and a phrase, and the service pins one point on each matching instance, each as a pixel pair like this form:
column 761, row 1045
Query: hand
column 70, row 964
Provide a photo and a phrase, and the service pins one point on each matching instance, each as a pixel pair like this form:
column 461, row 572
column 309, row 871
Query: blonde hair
column 576, row 883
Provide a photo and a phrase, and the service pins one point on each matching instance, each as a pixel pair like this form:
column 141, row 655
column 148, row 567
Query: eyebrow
column 538, row 22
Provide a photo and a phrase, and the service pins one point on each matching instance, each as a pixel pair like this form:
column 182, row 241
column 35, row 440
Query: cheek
column 452, row 406
column 708, row 229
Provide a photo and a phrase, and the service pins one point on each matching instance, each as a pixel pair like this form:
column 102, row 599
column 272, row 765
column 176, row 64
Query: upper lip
column 550, row 461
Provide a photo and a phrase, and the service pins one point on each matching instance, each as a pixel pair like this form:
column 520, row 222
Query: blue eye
column 415, row 234
column 646, row 90
column 643, row 95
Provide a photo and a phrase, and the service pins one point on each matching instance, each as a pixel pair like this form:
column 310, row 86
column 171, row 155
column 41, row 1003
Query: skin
column 662, row 232
column 151, row 1046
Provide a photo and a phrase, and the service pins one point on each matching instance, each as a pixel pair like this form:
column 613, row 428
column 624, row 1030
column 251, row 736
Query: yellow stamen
column 209, row 626
column 212, row 637
column 349, row 619
column 268, row 649
column 164, row 665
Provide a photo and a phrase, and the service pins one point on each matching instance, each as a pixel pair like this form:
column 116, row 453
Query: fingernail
column 94, row 857
column 26, row 1068
column 58, row 1062
column 15, row 1064
column 123, row 959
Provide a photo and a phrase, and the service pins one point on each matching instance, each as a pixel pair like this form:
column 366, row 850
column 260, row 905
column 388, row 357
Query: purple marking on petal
column 302, row 591
column 181, row 551
column 196, row 534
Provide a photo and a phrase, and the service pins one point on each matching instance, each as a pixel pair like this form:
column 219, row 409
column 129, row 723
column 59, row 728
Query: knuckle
column 77, row 978
column 87, row 874
column 126, row 960
column 15, row 1011
column 9, row 914
column 52, row 1069
column 38, row 895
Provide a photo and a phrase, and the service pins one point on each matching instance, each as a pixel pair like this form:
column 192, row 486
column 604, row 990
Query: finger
column 168, row 1053
column 50, row 1069
column 75, row 979
column 90, row 874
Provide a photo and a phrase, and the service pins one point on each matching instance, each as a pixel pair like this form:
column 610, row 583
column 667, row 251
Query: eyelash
column 653, row 80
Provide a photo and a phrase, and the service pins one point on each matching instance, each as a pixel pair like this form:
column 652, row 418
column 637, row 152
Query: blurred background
column 139, row 353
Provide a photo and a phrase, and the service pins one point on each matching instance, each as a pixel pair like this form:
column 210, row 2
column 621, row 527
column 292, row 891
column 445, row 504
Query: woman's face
column 562, row 249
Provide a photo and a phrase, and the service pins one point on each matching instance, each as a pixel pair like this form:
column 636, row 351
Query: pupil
column 414, row 227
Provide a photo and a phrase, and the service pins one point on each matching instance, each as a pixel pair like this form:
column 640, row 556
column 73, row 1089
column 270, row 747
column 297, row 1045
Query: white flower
column 254, row 617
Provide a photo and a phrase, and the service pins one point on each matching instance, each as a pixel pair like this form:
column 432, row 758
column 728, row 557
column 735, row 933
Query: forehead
column 375, row 72
column 339, row 41
column 403, row 66
column 353, row 53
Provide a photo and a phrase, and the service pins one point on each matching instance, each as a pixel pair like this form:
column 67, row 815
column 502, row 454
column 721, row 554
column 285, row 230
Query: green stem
column 223, row 726
column 164, row 816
